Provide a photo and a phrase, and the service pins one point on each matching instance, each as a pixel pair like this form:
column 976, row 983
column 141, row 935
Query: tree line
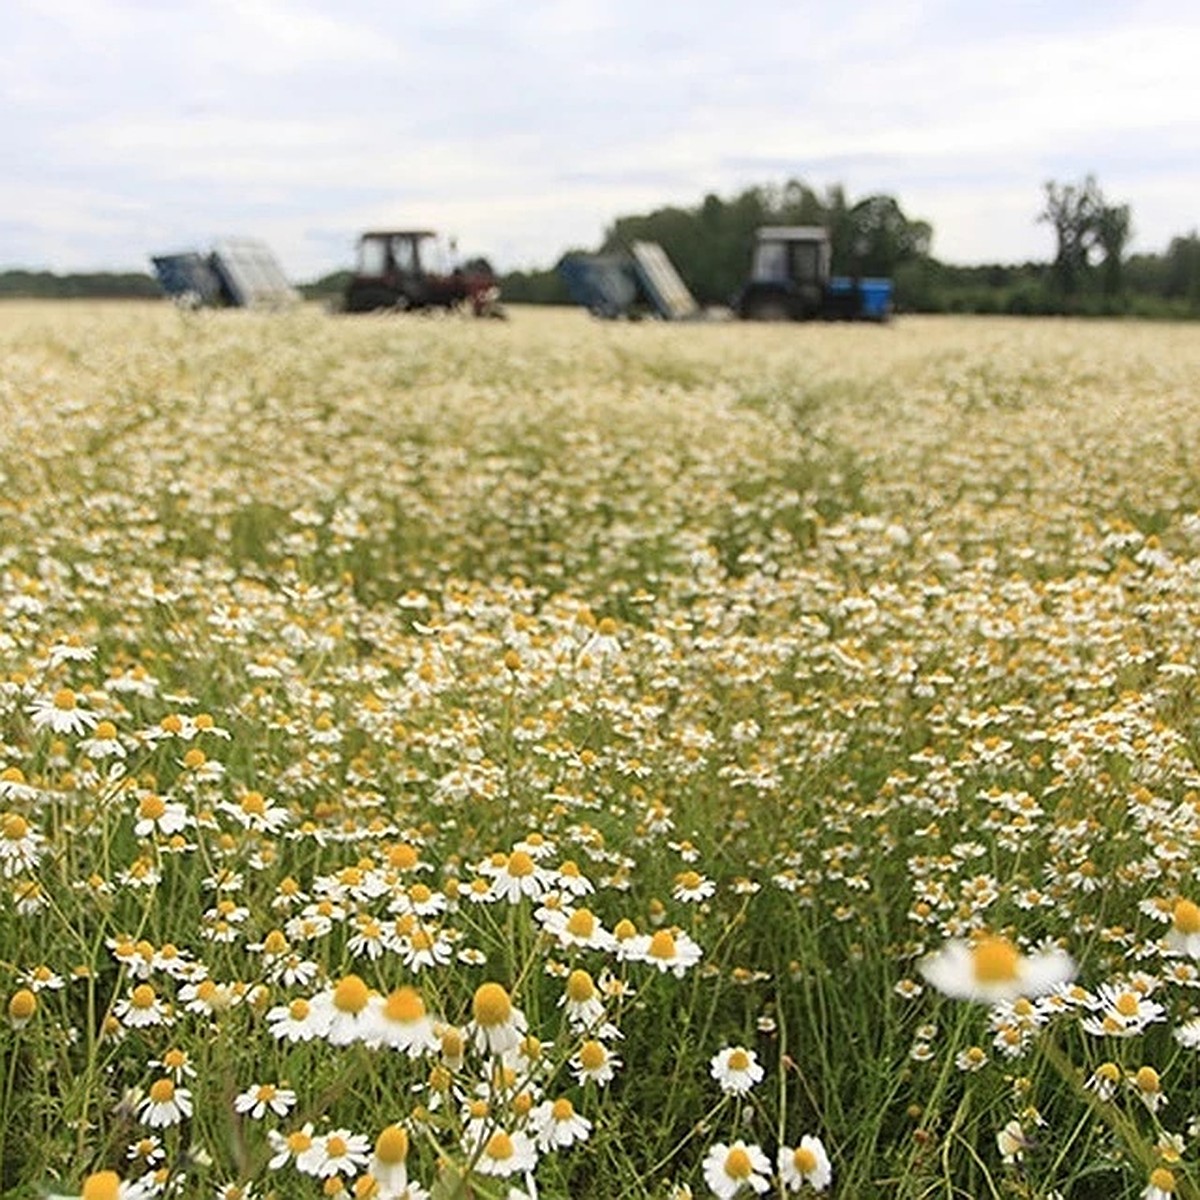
column 93, row 285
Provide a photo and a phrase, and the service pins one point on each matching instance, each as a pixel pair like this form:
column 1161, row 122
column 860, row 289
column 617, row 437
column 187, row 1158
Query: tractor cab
column 788, row 274
column 413, row 269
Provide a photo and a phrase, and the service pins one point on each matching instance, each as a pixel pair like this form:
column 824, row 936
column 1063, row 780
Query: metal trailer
column 238, row 273
column 642, row 282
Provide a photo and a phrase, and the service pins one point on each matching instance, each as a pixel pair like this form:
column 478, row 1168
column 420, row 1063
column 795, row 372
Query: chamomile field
column 549, row 758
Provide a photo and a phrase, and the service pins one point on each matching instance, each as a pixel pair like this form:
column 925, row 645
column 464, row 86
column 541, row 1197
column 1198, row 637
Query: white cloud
column 530, row 128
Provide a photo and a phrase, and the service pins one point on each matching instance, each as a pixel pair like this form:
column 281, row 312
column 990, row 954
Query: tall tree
column 1072, row 210
column 1114, row 227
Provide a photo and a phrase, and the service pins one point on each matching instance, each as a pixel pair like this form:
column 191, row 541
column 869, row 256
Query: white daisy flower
column 728, row 1169
column 736, row 1069
column 991, row 968
column 806, row 1163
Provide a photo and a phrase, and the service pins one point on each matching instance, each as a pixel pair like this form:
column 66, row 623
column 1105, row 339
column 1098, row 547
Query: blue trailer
column 240, row 273
column 642, row 282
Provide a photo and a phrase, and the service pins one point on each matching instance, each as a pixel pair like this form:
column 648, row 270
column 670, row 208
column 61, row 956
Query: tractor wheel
column 769, row 308
column 371, row 298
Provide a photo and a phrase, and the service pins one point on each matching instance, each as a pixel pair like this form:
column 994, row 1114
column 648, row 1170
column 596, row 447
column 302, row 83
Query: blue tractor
column 791, row 280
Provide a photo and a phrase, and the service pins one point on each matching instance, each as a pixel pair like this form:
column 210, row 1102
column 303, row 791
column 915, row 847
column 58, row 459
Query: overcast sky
column 129, row 127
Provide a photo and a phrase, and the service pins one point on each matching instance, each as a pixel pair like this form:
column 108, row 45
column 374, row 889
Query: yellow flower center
column 298, row 1010
column 452, row 1043
column 405, row 1005
column 336, row 1147
column 499, row 1146
column 739, row 1060
column 151, row 807
column 520, row 865
column 266, row 1093
column 804, row 1160
column 275, row 942
column 171, row 723
column 995, row 960
column 592, row 1056
column 1126, row 1004
column 662, row 945
column 562, row 1109
column 351, row 995
column 737, row 1164
column 570, row 868
column 1146, row 1079
column 106, row 731
column 253, row 804
column 581, row 923
column 15, row 827
column 689, row 881
column 419, row 894
column 162, row 1091
column 143, row 996
column 1162, row 1179
column 194, row 758
column 102, row 1185
column 391, row 1146
column 298, row 1141
column 491, row 1005
column 580, row 987
column 23, row 1005
column 1186, row 916
column 64, row 699
column 478, row 1109
column 403, row 857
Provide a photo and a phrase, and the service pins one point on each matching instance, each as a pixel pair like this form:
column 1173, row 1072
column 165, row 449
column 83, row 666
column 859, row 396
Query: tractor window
column 806, row 262
column 770, row 262
column 404, row 255
column 372, row 257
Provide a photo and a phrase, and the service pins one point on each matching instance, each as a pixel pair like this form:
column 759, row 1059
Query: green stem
column 1111, row 1116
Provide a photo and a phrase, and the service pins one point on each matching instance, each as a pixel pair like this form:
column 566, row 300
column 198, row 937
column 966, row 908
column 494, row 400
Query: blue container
column 876, row 298
column 188, row 278
column 604, row 284
column 849, row 299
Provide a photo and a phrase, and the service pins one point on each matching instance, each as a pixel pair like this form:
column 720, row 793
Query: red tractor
column 410, row 269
